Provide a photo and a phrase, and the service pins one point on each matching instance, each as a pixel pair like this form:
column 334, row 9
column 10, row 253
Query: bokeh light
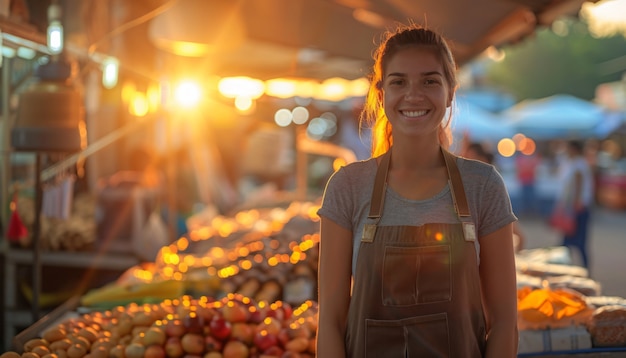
column 187, row 94
column 506, row 147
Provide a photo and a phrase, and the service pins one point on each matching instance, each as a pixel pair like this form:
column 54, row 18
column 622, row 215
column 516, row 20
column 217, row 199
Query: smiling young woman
column 416, row 254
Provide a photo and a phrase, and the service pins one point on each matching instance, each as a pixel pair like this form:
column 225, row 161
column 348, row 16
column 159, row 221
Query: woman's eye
column 431, row 81
column 396, row 82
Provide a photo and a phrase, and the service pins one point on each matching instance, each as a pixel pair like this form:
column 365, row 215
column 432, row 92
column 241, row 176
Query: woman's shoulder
column 359, row 166
column 474, row 166
column 354, row 173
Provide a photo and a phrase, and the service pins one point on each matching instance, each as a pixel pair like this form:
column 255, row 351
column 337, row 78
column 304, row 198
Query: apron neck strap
column 380, row 187
column 454, row 176
column 456, row 185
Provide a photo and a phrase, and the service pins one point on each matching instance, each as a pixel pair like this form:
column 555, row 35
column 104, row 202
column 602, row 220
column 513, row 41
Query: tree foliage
column 545, row 64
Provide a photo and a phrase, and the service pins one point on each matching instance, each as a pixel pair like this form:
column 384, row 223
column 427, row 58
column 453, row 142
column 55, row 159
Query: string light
column 55, row 29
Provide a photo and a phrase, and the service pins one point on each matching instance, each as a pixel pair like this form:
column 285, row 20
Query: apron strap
column 454, row 175
column 458, row 191
column 380, row 186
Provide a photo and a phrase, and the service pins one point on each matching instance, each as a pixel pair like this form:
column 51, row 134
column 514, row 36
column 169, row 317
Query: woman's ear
column 450, row 99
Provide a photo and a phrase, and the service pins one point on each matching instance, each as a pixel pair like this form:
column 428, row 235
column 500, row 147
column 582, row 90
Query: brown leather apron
column 416, row 289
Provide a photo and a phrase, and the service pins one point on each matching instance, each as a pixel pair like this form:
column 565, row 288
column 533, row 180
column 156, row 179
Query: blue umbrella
column 479, row 124
column 559, row 116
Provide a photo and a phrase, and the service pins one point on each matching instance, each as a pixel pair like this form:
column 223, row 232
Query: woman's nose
column 413, row 92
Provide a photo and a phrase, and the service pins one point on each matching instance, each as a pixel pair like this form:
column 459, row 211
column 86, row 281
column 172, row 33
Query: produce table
column 206, row 276
column 71, row 310
column 65, row 311
column 17, row 316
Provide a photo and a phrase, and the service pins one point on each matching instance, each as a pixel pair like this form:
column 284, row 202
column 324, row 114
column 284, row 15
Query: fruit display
column 234, row 326
column 265, row 254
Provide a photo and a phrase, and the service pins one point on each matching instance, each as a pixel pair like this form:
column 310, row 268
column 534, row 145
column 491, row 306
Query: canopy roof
column 266, row 39
column 327, row 38
column 558, row 116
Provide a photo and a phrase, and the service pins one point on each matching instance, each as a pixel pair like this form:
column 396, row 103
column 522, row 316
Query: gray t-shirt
column 348, row 192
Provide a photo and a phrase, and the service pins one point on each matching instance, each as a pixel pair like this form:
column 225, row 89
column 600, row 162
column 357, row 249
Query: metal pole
column 170, row 178
column 5, row 148
column 36, row 241
column 301, row 165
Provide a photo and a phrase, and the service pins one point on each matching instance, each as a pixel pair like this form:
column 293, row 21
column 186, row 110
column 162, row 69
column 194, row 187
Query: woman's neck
column 416, row 155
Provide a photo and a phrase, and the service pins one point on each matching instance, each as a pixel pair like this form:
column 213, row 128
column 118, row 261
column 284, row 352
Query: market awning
column 558, row 116
column 328, row 38
column 264, row 39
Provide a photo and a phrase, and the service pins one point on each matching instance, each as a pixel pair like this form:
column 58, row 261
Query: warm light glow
column 281, row 88
column 128, row 91
column 154, row 97
column 338, row 163
column 187, row 94
column 605, row 18
column 243, row 103
column 358, row 87
column 506, row 147
column 518, row 138
column 527, row 146
column 369, row 18
column 333, row 89
column 232, row 87
column 55, row 37
column 139, row 105
column 306, row 89
column 495, row 54
column 182, row 244
column 188, row 49
column 110, row 68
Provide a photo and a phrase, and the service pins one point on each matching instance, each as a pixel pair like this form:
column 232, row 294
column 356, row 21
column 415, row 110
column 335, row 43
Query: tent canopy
column 477, row 123
column 558, row 116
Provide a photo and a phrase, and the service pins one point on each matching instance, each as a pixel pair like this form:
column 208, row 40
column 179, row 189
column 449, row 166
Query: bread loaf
column 607, row 326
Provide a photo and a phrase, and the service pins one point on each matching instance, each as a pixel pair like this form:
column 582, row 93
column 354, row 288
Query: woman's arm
column 334, row 282
column 498, row 281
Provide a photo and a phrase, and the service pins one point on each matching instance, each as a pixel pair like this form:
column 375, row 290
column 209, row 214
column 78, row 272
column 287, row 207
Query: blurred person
column 416, row 250
column 576, row 195
column 526, row 168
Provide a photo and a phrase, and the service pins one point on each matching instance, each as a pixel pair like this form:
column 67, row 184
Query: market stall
column 245, row 284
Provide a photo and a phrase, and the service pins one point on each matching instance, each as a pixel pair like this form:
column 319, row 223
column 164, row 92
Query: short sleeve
column 337, row 201
column 495, row 210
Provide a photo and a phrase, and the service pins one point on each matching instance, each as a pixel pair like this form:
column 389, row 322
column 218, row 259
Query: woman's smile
column 413, row 113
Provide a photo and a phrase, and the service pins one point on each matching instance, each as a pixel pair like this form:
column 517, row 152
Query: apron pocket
column 416, row 275
column 421, row 336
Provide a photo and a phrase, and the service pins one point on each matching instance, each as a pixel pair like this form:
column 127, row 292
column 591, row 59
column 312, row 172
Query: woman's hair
column 403, row 37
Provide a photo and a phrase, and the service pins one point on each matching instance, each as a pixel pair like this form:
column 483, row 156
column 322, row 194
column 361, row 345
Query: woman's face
column 415, row 92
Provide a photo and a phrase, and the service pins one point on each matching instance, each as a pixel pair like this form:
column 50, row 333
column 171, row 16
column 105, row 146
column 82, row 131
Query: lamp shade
column 50, row 113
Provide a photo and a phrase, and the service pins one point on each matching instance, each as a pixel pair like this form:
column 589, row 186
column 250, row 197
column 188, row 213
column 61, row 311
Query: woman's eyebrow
column 429, row 73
